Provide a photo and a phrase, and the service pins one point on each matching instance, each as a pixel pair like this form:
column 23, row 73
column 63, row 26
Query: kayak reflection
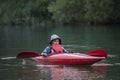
column 62, row 72
column 75, row 72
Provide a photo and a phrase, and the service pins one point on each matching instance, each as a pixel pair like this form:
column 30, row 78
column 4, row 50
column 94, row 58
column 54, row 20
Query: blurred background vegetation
column 59, row 11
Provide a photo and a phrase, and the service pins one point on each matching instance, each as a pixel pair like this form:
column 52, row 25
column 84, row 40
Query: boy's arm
column 46, row 51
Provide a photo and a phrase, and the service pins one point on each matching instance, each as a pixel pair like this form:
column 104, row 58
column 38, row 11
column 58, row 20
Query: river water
column 15, row 39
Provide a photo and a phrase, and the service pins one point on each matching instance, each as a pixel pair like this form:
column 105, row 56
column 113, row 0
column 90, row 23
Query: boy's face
column 56, row 41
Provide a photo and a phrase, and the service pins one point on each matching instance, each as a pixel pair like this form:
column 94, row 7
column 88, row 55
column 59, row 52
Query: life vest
column 56, row 48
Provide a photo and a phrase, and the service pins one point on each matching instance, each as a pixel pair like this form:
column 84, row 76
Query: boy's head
column 55, row 39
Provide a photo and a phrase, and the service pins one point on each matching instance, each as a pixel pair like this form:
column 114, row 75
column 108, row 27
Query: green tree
column 23, row 11
column 115, row 15
column 95, row 11
column 67, row 10
column 98, row 10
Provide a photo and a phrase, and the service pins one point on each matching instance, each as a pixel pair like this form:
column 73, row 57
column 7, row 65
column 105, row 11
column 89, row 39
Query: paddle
column 27, row 55
column 98, row 53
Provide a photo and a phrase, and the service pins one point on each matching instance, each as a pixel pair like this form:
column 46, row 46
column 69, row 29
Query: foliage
column 81, row 10
column 98, row 11
column 115, row 15
column 23, row 11
column 65, row 11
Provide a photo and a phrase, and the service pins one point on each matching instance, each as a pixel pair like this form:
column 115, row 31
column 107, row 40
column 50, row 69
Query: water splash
column 23, row 62
column 102, row 64
column 112, row 56
column 117, row 63
column 42, row 65
column 7, row 58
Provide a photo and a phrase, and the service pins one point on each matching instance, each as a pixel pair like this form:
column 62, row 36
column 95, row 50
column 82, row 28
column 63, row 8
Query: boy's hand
column 44, row 54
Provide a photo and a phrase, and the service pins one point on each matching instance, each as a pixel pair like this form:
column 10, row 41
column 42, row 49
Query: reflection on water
column 61, row 72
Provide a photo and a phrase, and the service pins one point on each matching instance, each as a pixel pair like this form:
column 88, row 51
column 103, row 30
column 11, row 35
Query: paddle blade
column 97, row 53
column 27, row 54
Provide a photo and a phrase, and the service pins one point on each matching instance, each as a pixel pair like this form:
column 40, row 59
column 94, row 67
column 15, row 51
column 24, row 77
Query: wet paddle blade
column 27, row 54
column 97, row 53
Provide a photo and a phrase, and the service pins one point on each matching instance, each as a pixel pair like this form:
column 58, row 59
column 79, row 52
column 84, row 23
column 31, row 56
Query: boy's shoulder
column 48, row 46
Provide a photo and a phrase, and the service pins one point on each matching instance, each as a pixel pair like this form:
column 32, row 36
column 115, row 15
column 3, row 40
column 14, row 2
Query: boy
column 54, row 46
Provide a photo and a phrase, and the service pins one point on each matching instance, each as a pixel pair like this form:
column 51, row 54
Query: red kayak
column 68, row 59
column 89, row 58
